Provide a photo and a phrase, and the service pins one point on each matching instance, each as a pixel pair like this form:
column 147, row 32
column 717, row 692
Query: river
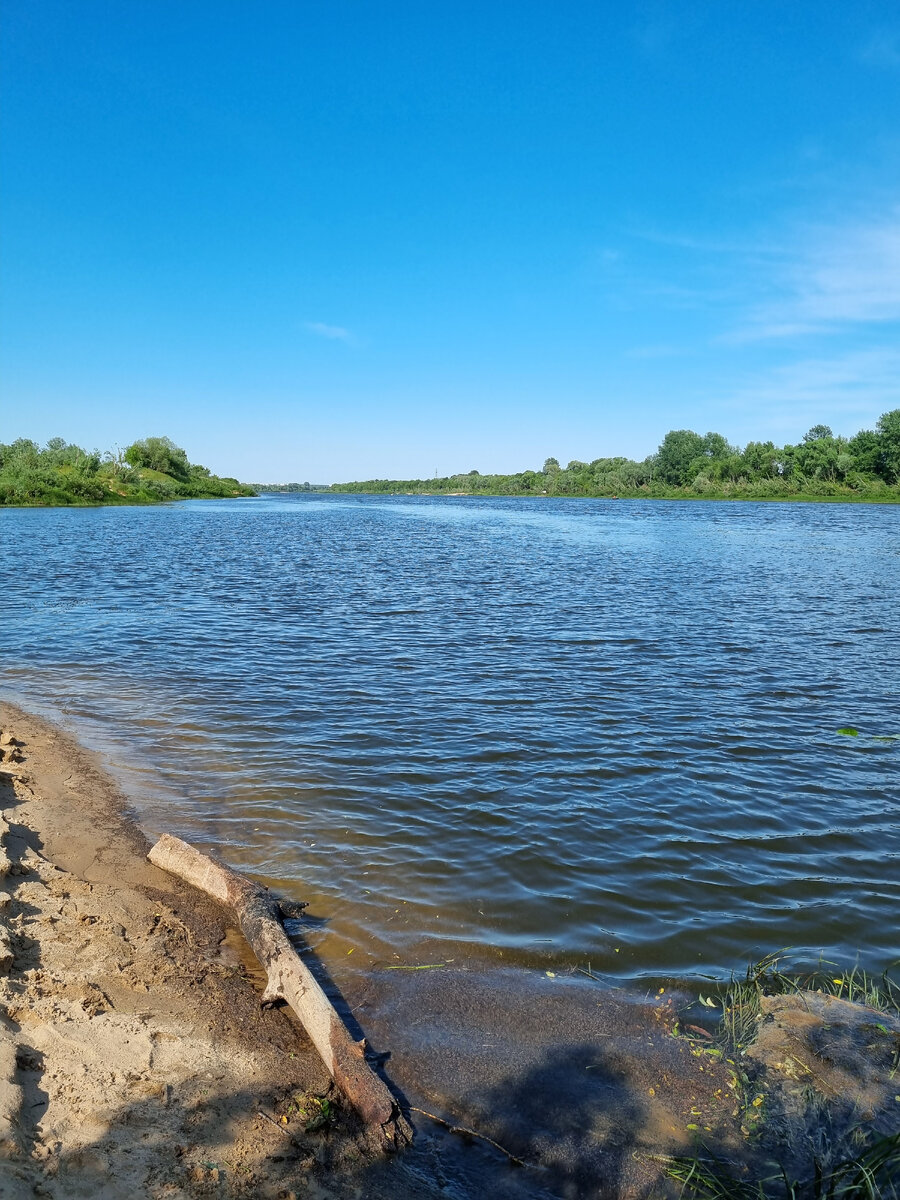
column 533, row 733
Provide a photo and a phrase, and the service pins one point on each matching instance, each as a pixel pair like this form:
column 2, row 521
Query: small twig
column 419, row 967
column 281, row 1129
column 461, row 1129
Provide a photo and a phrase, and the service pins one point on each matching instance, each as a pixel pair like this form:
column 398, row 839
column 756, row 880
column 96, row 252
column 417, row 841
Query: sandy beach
column 135, row 1059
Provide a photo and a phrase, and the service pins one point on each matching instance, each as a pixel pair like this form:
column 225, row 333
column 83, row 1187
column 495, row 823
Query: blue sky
column 344, row 240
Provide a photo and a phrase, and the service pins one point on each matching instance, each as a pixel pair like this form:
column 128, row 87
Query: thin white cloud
column 882, row 49
column 810, row 315
column 334, row 333
column 853, row 389
column 837, row 277
column 816, row 278
column 707, row 245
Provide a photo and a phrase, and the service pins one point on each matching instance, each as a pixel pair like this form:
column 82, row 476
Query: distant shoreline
column 800, row 498
column 123, row 503
column 691, row 466
column 805, row 498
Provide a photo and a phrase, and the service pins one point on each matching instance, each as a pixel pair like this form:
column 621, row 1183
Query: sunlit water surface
column 544, row 733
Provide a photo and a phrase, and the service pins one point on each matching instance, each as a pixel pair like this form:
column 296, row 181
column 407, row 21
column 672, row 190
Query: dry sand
column 135, row 1059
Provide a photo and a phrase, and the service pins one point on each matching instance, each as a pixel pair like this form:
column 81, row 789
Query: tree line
column 148, row 471
column 689, row 464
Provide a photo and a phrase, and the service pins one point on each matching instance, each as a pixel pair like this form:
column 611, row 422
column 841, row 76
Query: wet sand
column 135, row 1058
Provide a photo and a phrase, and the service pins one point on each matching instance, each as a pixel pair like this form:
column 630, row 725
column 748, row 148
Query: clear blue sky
column 341, row 240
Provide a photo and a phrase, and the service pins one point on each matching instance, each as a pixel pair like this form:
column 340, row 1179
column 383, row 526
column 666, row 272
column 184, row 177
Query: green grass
column 741, row 998
column 855, row 1167
column 741, row 1002
column 872, row 1174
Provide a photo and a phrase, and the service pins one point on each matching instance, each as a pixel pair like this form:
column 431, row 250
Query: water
column 538, row 733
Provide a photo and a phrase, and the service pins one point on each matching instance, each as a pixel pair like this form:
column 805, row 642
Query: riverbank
column 63, row 475
column 840, row 496
column 135, row 1058
column 137, row 501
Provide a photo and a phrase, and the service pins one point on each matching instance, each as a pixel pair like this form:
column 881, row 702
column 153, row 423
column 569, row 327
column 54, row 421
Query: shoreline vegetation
column 150, row 471
column 687, row 466
column 692, row 466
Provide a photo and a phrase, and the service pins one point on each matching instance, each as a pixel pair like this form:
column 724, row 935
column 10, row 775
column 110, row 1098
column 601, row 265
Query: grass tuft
column 742, row 1007
column 872, row 1174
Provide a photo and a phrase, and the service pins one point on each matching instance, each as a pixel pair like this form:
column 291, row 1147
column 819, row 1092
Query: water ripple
column 548, row 731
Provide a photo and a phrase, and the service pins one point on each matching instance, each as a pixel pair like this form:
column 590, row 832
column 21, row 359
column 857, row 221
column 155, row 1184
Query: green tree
column 866, row 450
column 889, row 444
column 717, row 446
column 818, row 433
column 23, row 452
column 731, row 468
column 817, row 457
column 159, row 454
column 676, row 455
column 761, row 460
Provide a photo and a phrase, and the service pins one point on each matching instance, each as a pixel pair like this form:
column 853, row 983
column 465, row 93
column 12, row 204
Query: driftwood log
column 259, row 914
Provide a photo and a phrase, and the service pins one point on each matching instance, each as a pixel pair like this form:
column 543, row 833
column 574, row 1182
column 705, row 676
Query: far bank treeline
column 146, row 472
column 688, row 464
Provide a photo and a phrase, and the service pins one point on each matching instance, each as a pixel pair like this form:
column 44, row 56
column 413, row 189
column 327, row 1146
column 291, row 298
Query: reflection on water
column 545, row 731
